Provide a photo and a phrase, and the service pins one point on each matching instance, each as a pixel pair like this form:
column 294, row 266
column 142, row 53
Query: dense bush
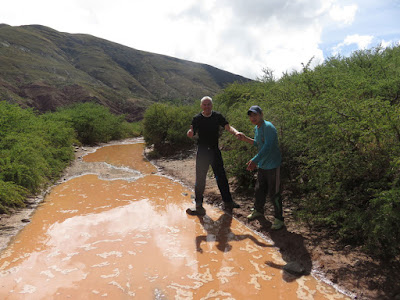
column 11, row 195
column 133, row 129
column 35, row 149
column 339, row 128
column 165, row 127
column 94, row 123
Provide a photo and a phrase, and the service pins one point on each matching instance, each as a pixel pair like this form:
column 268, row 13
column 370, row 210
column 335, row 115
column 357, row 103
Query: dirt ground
column 349, row 269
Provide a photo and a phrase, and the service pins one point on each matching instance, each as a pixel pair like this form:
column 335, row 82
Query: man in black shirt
column 207, row 126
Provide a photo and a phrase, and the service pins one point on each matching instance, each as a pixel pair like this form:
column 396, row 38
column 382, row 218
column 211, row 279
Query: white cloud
column 386, row 44
column 362, row 42
column 235, row 35
column 344, row 14
column 263, row 34
column 390, row 43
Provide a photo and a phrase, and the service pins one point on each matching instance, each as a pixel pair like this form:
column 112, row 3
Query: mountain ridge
column 45, row 69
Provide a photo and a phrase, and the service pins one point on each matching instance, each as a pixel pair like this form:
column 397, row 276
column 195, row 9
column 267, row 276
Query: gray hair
column 206, row 98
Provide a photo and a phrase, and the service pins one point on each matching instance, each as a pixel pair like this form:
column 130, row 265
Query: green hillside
column 45, row 69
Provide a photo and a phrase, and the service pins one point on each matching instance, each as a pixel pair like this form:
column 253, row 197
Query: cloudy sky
column 240, row 36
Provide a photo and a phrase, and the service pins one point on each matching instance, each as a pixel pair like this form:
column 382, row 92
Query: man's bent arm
column 231, row 129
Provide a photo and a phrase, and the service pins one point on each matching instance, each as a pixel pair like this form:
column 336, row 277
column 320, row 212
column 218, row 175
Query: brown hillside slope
column 45, row 69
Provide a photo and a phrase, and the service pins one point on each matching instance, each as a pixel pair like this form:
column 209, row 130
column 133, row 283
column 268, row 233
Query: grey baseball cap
column 255, row 109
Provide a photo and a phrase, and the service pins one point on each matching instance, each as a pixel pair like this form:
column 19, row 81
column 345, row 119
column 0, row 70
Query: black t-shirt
column 208, row 128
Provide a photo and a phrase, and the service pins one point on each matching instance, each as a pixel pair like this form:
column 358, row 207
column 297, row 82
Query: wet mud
column 120, row 231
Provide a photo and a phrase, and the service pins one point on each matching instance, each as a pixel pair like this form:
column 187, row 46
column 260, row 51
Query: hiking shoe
column 278, row 224
column 235, row 205
column 231, row 205
column 254, row 215
column 198, row 211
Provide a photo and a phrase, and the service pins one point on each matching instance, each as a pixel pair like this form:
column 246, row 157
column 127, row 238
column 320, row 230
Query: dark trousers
column 267, row 184
column 205, row 157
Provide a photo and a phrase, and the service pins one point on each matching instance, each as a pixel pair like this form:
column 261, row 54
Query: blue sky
column 240, row 36
column 375, row 23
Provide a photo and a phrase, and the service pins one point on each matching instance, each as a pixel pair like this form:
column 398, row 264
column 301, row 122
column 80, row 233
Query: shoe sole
column 231, row 206
column 195, row 212
column 277, row 228
column 253, row 218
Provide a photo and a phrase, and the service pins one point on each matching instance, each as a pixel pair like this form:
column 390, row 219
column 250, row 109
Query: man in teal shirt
column 268, row 160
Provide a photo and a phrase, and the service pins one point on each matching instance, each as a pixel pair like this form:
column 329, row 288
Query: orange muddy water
column 128, row 238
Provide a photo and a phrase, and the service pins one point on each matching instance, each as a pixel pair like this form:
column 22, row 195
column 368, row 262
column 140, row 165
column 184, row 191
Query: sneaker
column 198, row 211
column 254, row 215
column 278, row 224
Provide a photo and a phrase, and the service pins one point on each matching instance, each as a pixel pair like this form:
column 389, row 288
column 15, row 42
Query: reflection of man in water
column 220, row 231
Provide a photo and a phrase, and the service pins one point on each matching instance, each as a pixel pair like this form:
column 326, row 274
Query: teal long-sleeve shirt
column 266, row 141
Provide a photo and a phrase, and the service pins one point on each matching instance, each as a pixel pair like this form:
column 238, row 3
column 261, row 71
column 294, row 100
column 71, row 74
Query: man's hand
column 190, row 132
column 240, row 136
column 251, row 166
column 244, row 138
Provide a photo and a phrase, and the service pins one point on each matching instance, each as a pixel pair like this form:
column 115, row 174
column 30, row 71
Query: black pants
column 205, row 157
column 268, row 182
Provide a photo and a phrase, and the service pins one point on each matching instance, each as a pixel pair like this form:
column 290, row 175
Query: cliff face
column 45, row 69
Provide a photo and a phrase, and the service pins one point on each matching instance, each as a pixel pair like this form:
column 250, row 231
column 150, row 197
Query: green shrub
column 93, row 123
column 339, row 130
column 165, row 127
column 155, row 125
column 134, row 129
column 11, row 195
column 33, row 151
